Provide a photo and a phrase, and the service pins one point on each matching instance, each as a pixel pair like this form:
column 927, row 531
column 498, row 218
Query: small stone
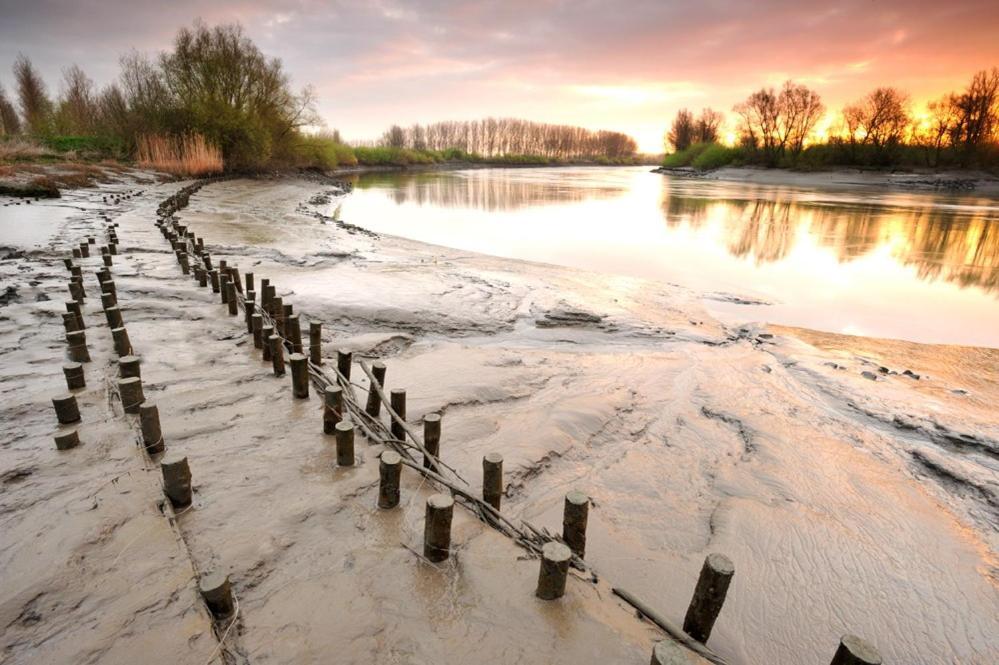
column 869, row 375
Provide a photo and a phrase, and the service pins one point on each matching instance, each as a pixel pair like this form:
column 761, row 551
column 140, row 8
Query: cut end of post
column 854, row 650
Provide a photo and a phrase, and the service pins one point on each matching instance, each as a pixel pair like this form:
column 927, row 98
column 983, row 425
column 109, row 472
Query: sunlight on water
column 914, row 266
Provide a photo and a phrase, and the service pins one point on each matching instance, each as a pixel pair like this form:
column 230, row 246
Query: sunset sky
column 606, row 65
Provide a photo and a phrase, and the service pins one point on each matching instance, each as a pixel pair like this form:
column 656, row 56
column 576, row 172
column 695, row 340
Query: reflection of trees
column 952, row 244
column 494, row 191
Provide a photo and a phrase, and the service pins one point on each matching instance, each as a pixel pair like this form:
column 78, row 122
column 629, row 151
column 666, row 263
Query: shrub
column 685, row 157
column 715, row 156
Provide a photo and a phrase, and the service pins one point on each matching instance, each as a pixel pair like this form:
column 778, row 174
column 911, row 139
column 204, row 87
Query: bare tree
column 706, row 129
column 394, row 137
column 10, row 124
column 760, row 124
column 681, row 133
column 36, row 107
column 800, row 110
column 977, row 110
column 76, row 111
column 880, row 119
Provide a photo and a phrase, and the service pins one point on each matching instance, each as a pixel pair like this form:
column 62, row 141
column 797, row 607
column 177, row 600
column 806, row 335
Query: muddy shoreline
column 690, row 437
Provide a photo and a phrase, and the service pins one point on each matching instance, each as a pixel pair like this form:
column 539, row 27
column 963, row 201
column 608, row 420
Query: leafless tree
column 77, row 106
column 36, row 107
column 977, row 110
column 800, row 110
column 760, row 123
column 683, row 130
column 880, row 119
column 10, row 124
column 706, row 129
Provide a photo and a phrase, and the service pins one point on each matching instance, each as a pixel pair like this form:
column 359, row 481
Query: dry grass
column 188, row 155
column 22, row 149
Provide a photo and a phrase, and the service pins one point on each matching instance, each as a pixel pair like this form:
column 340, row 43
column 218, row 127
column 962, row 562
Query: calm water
column 913, row 266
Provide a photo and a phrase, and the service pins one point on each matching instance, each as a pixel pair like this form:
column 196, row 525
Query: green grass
column 96, row 147
column 715, row 156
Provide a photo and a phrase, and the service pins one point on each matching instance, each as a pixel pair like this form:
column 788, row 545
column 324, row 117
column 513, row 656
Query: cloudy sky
column 625, row 65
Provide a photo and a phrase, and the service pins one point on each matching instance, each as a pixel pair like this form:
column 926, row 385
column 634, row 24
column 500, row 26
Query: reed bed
column 186, row 155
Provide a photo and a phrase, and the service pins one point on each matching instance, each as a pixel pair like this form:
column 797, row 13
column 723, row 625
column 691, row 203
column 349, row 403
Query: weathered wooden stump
column 108, row 300
column 299, row 375
column 223, row 288
column 397, row 399
column 177, row 481
column 76, row 346
column 374, row 406
column 70, row 322
column 249, row 285
column 213, row 275
column 277, row 314
column 855, row 651
column 113, row 315
column 256, row 327
column 574, row 518
column 277, row 354
column 431, row 439
column 316, row 342
column 73, row 306
column 344, row 443
column 554, row 569
column 130, row 389
column 231, row 300
column 77, row 253
column 84, row 250
column 709, row 596
column 492, row 480
column 149, row 422
column 67, row 440
column 76, row 291
column 295, row 333
column 669, row 652
column 234, row 278
column 437, row 527
column 73, row 372
column 266, row 332
column 389, row 474
column 128, row 367
column 68, row 262
column 249, row 309
column 343, row 362
column 217, row 592
column 107, row 259
column 332, row 408
column 122, row 345
column 66, row 408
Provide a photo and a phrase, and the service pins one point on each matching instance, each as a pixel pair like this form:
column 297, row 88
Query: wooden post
column 74, row 375
column 217, row 592
column 249, row 307
column 295, row 333
column 185, row 266
column 66, row 408
column 177, row 481
column 113, row 315
column 214, row 276
column 332, row 408
column 235, row 280
column 431, row 439
column 492, row 480
column 108, row 260
column 131, row 393
column 152, row 435
column 316, row 342
column 85, row 250
column 128, row 367
column 68, row 262
column 70, row 322
column 397, row 399
column 223, row 288
column 76, row 345
column 299, row 375
column 277, row 354
column 265, row 293
column 77, row 253
column 257, row 323
column 122, row 345
column 574, row 517
column 343, row 361
column 389, row 473
column 374, row 406
column 249, row 285
column 344, row 443
column 76, row 292
column 108, row 300
column 266, row 332
column 856, row 651
column 554, row 569
column 437, row 527
column 709, row 595
column 277, row 314
column 74, row 307
column 67, row 440
column 231, row 298
column 202, row 277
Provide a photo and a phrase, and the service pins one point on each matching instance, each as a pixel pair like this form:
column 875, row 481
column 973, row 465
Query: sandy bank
column 851, row 499
column 963, row 182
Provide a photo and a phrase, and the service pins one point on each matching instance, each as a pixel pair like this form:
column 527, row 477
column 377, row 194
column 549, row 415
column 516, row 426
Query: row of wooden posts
column 275, row 328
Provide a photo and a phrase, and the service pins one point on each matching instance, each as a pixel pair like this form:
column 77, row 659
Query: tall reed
column 186, row 155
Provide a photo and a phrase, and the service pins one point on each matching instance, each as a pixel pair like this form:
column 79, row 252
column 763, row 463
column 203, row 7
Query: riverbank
column 963, row 182
column 863, row 497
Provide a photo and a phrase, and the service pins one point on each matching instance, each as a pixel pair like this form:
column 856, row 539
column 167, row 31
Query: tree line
column 493, row 137
column 776, row 127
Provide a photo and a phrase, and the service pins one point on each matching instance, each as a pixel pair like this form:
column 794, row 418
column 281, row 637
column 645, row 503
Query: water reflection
column 951, row 243
column 491, row 190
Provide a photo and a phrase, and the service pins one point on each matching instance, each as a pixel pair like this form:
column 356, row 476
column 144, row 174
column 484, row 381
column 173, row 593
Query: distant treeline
column 777, row 128
column 214, row 98
column 494, row 137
